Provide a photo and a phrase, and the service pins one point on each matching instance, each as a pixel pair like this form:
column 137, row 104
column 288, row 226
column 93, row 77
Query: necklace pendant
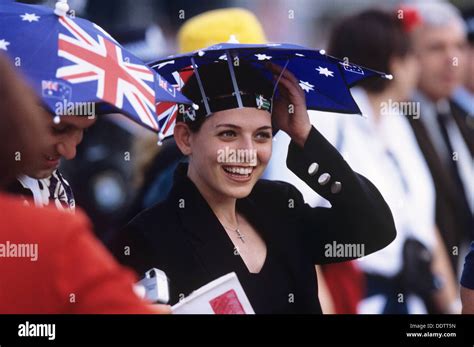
column 240, row 235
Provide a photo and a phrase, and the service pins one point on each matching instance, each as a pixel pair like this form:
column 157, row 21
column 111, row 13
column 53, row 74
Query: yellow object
column 217, row 26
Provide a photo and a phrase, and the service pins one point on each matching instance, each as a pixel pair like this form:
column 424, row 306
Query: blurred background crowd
column 415, row 141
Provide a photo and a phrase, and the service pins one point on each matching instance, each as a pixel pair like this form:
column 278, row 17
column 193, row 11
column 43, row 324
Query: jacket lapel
column 434, row 162
column 465, row 125
column 208, row 238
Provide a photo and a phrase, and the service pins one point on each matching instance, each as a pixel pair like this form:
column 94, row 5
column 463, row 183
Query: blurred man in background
column 464, row 94
column 443, row 131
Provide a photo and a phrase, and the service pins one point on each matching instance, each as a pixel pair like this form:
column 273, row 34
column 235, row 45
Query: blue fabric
column 70, row 60
column 326, row 80
column 161, row 186
column 464, row 99
column 390, row 289
column 467, row 278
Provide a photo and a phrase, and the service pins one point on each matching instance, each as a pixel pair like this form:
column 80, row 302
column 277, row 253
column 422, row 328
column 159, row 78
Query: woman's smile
column 238, row 173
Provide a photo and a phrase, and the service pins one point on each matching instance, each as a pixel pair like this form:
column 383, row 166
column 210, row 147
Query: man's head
column 32, row 142
column 440, row 44
column 469, row 72
column 58, row 141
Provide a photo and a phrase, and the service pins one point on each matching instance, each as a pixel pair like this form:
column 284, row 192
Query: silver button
column 324, row 179
column 336, row 187
column 313, row 168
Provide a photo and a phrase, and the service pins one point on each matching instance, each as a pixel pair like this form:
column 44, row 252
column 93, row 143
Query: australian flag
column 70, row 59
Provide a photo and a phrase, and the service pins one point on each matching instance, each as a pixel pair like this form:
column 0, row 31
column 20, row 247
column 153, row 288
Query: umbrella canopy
column 326, row 80
column 70, row 61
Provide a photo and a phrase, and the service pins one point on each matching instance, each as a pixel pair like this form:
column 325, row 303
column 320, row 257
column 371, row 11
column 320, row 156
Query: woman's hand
column 289, row 107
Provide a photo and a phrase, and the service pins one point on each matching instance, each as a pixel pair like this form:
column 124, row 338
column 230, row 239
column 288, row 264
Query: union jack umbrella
column 326, row 80
column 70, row 60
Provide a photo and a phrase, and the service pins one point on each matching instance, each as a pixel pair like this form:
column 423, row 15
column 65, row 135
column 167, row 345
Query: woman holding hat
column 220, row 217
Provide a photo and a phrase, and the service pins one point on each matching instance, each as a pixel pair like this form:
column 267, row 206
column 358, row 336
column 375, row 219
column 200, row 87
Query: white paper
column 224, row 295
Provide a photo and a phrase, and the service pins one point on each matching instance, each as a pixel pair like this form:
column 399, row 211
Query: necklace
column 240, row 236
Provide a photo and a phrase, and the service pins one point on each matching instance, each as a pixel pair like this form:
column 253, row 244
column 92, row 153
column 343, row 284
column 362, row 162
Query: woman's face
column 230, row 151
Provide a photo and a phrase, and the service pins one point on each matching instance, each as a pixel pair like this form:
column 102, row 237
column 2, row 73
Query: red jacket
column 73, row 273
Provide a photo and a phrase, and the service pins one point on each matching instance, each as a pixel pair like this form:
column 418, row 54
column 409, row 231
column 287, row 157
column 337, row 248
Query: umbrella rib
column 201, row 88
column 278, row 81
column 234, row 80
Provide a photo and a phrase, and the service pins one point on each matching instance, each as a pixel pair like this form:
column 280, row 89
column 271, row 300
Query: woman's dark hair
column 216, row 81
column 370, row 38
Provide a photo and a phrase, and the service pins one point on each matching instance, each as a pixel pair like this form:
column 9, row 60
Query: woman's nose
column 247, row 143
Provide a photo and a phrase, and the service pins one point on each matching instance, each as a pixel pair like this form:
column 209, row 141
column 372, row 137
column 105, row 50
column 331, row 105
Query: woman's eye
column 263, row 135
column 228, row 133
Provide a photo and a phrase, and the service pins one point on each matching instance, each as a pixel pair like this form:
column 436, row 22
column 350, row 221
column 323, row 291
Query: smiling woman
column 220, row 217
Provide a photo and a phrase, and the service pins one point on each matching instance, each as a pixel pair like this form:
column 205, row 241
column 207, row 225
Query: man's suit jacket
column 183, row 237
column 451, row 214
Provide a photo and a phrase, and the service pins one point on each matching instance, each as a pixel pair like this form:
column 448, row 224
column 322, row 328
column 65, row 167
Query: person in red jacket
column 50, row 261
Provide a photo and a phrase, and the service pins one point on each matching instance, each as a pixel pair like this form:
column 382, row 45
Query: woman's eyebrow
column 228, row 126
column 265, row 127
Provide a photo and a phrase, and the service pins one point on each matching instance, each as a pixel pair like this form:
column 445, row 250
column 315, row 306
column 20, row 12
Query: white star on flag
column 306, row 86
column 4, row 44
column 223, row 57
column 325, row 71
column 263, row 57
column 30, row 17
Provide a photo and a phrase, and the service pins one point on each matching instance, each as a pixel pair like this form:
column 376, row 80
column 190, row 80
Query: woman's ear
column 182, row 135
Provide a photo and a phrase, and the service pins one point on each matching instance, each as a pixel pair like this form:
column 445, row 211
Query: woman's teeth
column 238, row 170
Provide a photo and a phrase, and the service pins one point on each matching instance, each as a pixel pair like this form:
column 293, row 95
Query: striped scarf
column 52, row 191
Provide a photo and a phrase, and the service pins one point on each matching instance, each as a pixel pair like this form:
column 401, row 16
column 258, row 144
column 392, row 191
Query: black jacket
column 184, row 238
column 453, row 215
